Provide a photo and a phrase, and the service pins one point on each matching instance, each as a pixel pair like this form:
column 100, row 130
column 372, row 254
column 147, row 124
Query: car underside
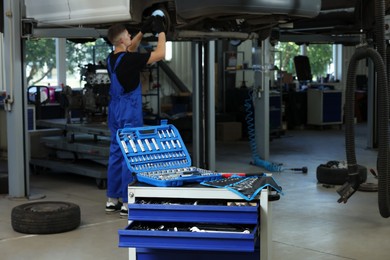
column 301, row 21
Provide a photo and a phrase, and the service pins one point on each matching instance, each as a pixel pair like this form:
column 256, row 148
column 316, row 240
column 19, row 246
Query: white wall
column 3, row 121
column 362, row 68
column 2, row 65
column 181, row 64
column 3, row 133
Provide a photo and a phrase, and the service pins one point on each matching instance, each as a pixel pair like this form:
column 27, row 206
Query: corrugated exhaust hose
column 383, row 115
column 349, row 188
column 380, row 61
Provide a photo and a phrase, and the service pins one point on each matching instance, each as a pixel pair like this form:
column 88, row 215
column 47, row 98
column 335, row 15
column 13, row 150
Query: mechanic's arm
column 146, row 27
column 159, row 53
column 135, row 42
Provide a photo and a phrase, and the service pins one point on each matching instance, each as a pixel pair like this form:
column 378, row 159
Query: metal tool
column 141, row 145
column 303, row 169
column 124, row 146
column 148, row 144
column 132, row 144
column 155, row 144
column 196, row 229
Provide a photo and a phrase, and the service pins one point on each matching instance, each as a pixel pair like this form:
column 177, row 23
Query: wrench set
column 158, row 156
column 246, row 187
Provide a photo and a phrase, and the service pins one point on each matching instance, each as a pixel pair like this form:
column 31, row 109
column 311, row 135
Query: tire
column 48, row 217
column 368, row 186
column 338, row 176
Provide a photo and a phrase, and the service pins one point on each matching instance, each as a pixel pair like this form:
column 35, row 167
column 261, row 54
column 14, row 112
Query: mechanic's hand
column 158, row 24
column 147, row 25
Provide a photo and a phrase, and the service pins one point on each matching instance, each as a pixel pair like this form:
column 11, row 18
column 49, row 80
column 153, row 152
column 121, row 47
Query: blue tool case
column 159, row 157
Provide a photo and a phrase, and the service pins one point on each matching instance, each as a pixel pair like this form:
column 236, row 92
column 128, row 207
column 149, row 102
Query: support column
column 203, row 99
column 210, row 108
column 15, row 103
column 261, row 58
column 197, row 144
column 61, row 61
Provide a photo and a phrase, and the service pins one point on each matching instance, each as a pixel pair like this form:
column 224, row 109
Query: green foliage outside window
column 320, row 57
column 40, row 57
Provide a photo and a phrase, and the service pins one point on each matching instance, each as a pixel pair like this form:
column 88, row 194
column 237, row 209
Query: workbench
column 152, row 244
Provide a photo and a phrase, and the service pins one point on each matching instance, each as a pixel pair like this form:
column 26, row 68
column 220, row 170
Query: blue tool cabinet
column 324, row 107
column 154, row 244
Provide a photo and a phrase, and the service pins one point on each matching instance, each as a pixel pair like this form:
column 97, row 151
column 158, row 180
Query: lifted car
column 185, row 19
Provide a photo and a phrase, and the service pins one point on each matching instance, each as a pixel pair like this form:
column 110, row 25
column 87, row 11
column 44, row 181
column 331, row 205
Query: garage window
column 320, row 57
column 40, row 58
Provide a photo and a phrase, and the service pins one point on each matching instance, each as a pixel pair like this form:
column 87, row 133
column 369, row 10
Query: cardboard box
column 229, row 131
column 287, row 78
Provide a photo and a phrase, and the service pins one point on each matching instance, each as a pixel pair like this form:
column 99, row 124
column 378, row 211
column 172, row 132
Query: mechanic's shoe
column 112, row 207
column 124, row 211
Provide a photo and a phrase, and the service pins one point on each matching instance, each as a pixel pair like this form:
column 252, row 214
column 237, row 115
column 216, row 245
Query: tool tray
column 159, row 157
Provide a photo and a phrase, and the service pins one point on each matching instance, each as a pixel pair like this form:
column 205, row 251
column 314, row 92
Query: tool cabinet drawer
column 165, row 254
column 189, row 236
column 220, row 212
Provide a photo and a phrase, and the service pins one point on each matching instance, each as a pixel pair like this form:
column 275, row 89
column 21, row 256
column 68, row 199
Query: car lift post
column 15, row 103
column 203, row 104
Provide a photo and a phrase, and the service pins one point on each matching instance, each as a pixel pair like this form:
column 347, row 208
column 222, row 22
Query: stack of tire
column 336, row 173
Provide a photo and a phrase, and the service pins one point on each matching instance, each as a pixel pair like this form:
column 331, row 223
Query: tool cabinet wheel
column 47, row 217
column 338, row 176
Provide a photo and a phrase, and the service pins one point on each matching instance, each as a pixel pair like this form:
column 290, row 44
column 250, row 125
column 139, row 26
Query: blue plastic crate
column 158, row 156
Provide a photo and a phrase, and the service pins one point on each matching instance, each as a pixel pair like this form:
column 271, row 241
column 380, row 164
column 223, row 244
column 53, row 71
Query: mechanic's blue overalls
column 124, row 108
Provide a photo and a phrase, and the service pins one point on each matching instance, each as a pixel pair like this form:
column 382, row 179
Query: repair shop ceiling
column 338, row 20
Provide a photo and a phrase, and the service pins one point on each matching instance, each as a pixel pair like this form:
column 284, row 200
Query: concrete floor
column 308, row 223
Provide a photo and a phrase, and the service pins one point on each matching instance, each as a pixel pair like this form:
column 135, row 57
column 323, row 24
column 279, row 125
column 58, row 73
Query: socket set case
column 159, row 157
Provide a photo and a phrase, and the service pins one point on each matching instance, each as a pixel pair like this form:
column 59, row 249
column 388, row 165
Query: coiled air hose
column 273, row 167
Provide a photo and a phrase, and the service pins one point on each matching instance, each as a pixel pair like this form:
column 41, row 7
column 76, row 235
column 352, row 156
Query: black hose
column 380, row 61
column 379, row 29
column 383, row 135
column 383, row 116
